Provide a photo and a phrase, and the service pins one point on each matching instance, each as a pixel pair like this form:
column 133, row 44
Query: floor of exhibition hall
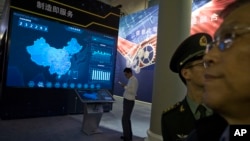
column 69, row 127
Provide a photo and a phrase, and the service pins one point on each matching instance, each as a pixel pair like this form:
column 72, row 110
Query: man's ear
column 185, row 73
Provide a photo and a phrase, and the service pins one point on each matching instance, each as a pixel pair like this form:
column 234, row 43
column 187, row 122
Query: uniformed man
column 178, row 121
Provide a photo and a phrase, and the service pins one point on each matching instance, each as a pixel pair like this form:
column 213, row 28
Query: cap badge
column 203, row 41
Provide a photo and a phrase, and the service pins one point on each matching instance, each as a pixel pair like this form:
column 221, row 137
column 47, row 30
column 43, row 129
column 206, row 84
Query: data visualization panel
column 46, row 53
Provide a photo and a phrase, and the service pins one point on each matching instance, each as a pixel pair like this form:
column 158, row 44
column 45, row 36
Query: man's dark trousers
column 128, row 106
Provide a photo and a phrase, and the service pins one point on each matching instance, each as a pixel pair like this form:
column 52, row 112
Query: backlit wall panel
column 206, row 17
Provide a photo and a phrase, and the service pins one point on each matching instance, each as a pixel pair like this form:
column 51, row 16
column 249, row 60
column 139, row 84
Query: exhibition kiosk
column 93, row 101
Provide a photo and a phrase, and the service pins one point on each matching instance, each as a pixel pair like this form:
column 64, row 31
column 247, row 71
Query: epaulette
column 171, row 107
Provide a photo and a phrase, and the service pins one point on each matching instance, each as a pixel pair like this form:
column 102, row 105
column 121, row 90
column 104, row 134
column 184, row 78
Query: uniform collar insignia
column 182, row 136
column 182, row 108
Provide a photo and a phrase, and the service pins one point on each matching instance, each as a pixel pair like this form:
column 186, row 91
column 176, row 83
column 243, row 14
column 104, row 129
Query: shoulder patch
column 171, row 107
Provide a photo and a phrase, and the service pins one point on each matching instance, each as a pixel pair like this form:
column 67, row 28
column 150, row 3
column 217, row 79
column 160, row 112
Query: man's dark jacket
column 208, row 129
column 177, row 122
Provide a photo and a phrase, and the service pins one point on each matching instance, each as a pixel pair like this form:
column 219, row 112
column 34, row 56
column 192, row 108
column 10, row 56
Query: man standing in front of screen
column 130, row 92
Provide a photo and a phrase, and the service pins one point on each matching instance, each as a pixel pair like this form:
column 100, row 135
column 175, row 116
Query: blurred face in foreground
column 227, row 73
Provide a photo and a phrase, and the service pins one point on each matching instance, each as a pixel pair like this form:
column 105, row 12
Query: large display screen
column 45, row 53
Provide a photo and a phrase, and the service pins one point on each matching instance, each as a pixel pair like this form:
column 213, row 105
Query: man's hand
column 123, row 85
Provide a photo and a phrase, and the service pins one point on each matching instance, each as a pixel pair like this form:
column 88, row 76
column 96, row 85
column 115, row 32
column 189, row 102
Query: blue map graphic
column 58, row 60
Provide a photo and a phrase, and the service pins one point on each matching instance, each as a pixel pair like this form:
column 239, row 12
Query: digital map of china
column 58, row 60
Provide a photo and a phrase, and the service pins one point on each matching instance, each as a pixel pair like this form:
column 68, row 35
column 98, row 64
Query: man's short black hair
column 127, row 70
